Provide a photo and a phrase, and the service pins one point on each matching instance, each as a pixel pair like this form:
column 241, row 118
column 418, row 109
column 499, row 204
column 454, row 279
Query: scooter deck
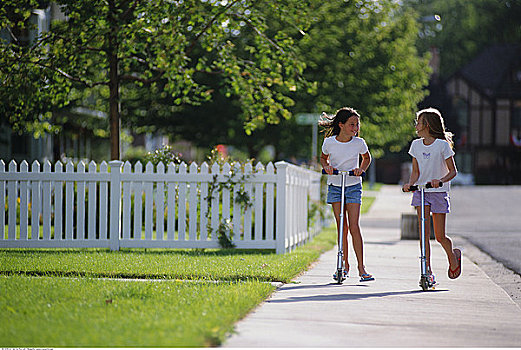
column 425, row 284
column 339, row 276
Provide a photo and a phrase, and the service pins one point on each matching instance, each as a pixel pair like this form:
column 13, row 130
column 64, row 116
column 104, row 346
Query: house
column 481, row 105
column 24, row 146
column 485, row 114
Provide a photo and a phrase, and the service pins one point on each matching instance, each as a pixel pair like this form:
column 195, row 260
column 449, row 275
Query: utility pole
column 310, row 119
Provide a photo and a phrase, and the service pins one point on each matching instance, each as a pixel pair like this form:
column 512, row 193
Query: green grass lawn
column 376, row 186
column 49, row 300
column 181, row 298
column 72, row 312
column 190, row 264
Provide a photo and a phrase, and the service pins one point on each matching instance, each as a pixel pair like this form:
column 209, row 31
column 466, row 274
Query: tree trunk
column 252, row 151
column 112, row 53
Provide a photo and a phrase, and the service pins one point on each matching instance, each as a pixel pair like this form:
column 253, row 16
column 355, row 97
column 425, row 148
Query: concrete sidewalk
column 392, row 311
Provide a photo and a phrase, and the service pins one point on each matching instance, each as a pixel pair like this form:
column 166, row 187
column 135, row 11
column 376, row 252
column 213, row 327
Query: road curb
column 505, row 278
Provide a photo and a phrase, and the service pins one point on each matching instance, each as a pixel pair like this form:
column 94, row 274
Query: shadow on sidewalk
column 329, row 285
column 347, row 296
column 381, row 242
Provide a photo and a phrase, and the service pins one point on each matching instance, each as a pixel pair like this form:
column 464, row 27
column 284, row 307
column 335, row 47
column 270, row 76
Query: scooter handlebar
column 416, row 187
column 350, row 173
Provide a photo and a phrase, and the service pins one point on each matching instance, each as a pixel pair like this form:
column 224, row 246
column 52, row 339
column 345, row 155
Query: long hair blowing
column 432, row 117
column 330, row 122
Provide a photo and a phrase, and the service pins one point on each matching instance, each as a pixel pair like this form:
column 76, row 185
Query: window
column 462, row 120
column 515, row 124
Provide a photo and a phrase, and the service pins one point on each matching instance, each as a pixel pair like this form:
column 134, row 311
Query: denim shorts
column 352, row 194
column 438, row 201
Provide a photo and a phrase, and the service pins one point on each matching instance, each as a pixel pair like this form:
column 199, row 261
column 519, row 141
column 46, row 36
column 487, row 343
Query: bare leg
column 336, row 211
column 353, row 213
column 439, row 231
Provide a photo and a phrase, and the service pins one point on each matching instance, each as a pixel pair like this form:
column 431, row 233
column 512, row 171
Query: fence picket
column 236, row 219
column 171, row 189
column 270, row 195
column 69, row 202
column 303, row 193
column 138, row 201
column 35, row 202
column 103, row 199
column 226, row 195
column 291, row 209
column 12, row 194
column 46, row 203
column 125, row 214
column 80, row 204
column 115, row 204
column 248, row 213
column 204, row 204
column 214, row 203
column 149, row 200
column 192, row 205
column 181, row 228
column 282, row 226
column 2, row 202
column 160, row 204
column 259, row 200
column 24, row 202
column 91, row 214
column 58, row 203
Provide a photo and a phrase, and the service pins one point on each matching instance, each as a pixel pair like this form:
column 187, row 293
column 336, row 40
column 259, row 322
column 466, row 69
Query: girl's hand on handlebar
column 436, row 183
column 406, row 187
column 358, row 172
column 329, row 169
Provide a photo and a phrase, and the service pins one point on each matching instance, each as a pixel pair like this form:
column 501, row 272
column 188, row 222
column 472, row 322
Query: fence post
column 281, row 207
column 2, row 202
column 115, row 203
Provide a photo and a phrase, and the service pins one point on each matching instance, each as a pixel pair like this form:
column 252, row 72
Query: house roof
column 492, row 71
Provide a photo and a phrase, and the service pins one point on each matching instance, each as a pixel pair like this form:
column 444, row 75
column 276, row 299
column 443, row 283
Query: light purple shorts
column 439, row 201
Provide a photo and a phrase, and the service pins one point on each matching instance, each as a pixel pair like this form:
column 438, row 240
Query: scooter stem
column 422, row 235
column 340, row 256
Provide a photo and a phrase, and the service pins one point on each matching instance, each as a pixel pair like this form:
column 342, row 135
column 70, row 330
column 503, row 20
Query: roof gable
column 491, row 71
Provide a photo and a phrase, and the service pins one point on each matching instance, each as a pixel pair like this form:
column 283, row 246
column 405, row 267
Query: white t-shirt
column 431, row 161
column 344, row 156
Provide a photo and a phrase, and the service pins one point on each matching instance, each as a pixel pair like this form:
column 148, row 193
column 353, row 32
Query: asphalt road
column 490, row 218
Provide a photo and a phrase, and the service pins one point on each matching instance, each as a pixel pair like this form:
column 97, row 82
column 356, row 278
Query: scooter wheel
column 339, row 276
column 424, row 284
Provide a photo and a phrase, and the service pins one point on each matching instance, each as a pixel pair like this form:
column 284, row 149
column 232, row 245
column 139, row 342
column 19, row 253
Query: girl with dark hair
column 341, row 150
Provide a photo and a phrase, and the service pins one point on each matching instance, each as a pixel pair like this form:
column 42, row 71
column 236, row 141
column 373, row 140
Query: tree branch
column 208, row 25
column 130, row 10
column 261, row 34
column 81, row 47
column 142, row 80
column 72, row 78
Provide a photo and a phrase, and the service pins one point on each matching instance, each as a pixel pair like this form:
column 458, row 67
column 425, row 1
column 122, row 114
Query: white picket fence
column 120, row 206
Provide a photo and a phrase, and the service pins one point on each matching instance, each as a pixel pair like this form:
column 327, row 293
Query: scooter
column 339, row 276
column 425, row 282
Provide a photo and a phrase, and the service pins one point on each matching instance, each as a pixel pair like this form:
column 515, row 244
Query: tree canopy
column 359, row 54
column 117, row 47
column 460, row 29
column 362, row 55
column 218, row 71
